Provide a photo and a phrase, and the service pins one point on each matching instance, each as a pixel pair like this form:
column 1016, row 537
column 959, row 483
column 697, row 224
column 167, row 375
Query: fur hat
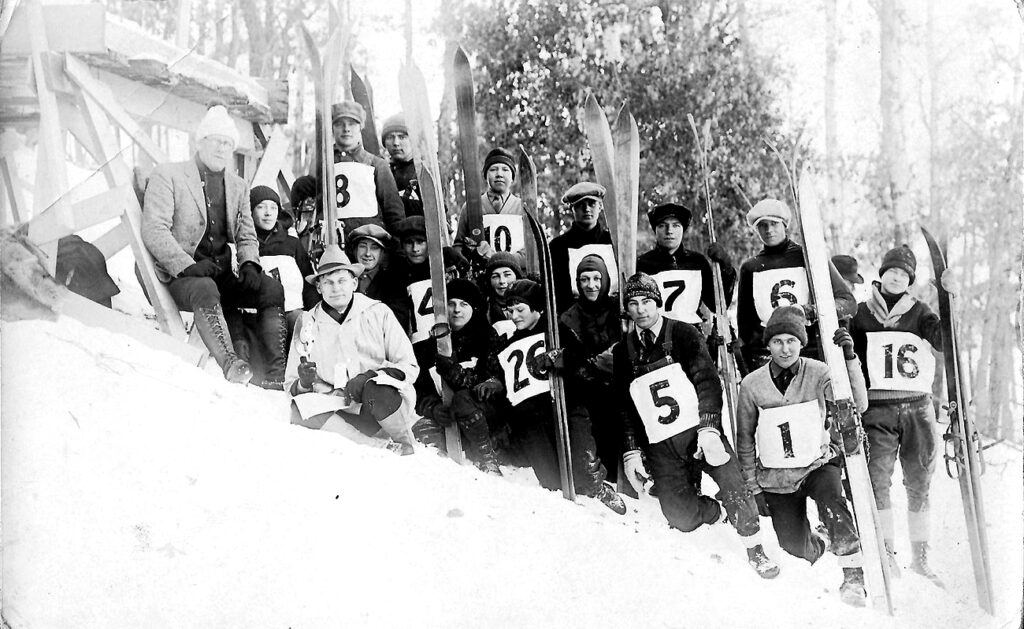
column 502, row 260
column 217, row 121
column 500, row 156
column 303, row 188
column 899, row 258
column 348, row 109
column 468, row 292
column 769, row 208
column 394, row 124
column 642, row 285
column 787, row 320
column 528, row 292
column 660, row 212
column 260, row 194
column 411, row 226
column 334, row 259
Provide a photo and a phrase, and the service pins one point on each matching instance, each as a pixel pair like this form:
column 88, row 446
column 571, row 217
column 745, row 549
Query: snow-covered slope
column 142, row 492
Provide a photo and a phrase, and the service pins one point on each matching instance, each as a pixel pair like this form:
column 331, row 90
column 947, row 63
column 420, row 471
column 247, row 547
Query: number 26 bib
column 790, row 436
column 778, row 287
column 666, row 401
column 521, row 383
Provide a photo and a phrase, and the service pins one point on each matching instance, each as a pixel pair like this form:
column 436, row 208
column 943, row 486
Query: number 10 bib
column 790, row 436
column 666, row 401
column 900, row 361
column 774, row 288
column 355, row 190
column 504, row 232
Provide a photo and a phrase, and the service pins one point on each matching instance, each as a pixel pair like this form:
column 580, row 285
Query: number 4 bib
column 900, row 361
column 520, row 382
column 791, row 436
column 423, row 310
column 666, row 402
column 778, row 287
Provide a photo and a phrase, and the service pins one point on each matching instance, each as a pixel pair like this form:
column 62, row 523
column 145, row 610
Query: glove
column 810, row 312
column 843, row 339
column 203, row 268
column 487, row 389
column 394, row 372
column 714, row 342
column 636, row 473
column 718, row 254
column 484, row 250
column 711, row 448
column 443, row 415
column 547, row 361
column 949, row 281
column 762, row 505
column 354, row 387
column 249, row 276
column 307, row 373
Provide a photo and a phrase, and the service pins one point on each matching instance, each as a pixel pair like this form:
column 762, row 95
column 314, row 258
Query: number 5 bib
column 791, row 436
column 779, row 287
column 356, row 192
column 666, row 401
column 900, row 361
column 521, row 383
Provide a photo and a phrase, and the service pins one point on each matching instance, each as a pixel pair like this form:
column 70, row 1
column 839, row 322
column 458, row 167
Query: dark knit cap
column 787, row 320
column 411, row 226
column 847, row 267
column 468, row 292
column 660, row 212
column 500, row 156
column 900, row 258
column 642, row 285
column 503, row 259
column 303, row 188
column 260, row 194
column 528, row 292
column 394, row 124
column 591, row 262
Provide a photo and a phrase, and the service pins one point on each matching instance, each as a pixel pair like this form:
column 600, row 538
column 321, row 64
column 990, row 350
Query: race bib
column 900, row 361
column 779, row 287
column 436, row 377
column 680, row 294
column 285, row 270
column 520, row 382
column 422, row 318
column 356, row 192
column 607, row 254
column 791, row 436
column 504, row 232
column 666, row 402
column 505, row 327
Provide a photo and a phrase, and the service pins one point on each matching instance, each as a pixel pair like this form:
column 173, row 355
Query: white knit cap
column 217, row 121
column 769, row 208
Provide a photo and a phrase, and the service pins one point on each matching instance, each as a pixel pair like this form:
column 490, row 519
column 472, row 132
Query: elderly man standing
column 192, row 211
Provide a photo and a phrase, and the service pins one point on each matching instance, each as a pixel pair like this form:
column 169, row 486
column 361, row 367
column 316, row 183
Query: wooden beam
column 97, row 209
column 167, row 313
column 113, row 241
column 12, row 190
column 272, row 161
column 79, row 28
column 89, row 125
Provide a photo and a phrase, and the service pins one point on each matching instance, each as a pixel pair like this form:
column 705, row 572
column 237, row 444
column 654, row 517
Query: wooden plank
column 104, row 206
column 113, row 241
column 12, row 190
column 273, row 159
column 90, row 126
column 167, row 313
column 79, row 28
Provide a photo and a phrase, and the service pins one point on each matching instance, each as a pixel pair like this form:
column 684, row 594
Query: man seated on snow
column 351, row 364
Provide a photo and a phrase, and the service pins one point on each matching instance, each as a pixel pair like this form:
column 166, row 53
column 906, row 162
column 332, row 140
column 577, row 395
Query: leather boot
column 272, row 328
column 478, row 442
column 429, row 433
column 214, row 332
column 919, row 562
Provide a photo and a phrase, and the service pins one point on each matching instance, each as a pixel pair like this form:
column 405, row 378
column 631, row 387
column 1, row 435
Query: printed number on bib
column 900, row 361
column 779, row 287
column 607, row 254
column 423, row 310
column 285, row 270
column 791, row 436
column 436, row 377
column 356, row 192
column 666, row 402
column 521, row 382
column 504, row 232
column 680, row 292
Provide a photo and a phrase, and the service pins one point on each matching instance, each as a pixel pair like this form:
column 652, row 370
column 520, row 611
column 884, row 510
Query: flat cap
column 583, row 190
column 769, row 208
column 370, row 231
column 348, row 109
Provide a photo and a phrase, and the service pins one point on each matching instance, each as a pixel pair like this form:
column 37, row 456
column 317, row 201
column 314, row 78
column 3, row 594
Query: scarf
column 877, row 306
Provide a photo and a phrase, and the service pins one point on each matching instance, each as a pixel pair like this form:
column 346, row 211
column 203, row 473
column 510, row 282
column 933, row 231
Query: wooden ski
column 465, row 114
column 412, row 90
column 602, row 153
column 626, row 142
column 528, row 176
column 362, row 93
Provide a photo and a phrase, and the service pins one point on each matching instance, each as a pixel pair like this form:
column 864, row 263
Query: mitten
column 636, row 472
column 709, row 444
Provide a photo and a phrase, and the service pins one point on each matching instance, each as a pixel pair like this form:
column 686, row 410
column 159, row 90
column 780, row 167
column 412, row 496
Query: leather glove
column 762, row 505
column 487, row 389
column 810, row 312
column 547, row 361
column 714, row 342
column 718, row 254
column 636, row 473
column 354, row 387
column 249, row 276
column 203, row 268
column 711, row 448
column 843, row 339
column 394, row 372
column 307, row 373
column 443, row 415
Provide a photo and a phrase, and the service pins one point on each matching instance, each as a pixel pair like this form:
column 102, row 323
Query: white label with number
column 680, row 294
column 285, row 270
column 422, row 320
column 666, row 402
column 504, row 232
column 505, row 328
column 900, row 361
column 791, row 436
column 355, row 190
column 607, row 254
column 436, row 377
column 521, row 383
column 775, row 288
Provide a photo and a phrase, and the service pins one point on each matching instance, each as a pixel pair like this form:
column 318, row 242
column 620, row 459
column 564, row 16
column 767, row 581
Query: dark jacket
column 574, row 238
column 277, row 242
column 407, row 181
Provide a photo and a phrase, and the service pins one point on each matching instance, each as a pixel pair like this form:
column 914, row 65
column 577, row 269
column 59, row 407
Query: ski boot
column 852, row 591
column 213, row 329
column 894, row 566
column 272, row 328
column 919, row 563
column 606, row 494
column 762, row 563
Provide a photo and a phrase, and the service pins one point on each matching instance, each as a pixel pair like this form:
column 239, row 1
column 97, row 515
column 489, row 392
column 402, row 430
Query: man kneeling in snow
column 351, row 363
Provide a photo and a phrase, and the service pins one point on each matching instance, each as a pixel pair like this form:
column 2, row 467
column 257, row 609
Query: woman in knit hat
column 281, row 251
column 499, row 171
column 894, row 335
column 502, row 270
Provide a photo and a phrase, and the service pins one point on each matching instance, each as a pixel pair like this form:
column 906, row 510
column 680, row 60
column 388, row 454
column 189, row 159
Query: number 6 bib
column 778, row 287
column 666, row 401
column 790, row 436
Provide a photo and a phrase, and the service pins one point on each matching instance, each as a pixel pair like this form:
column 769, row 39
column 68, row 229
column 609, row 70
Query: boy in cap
column 585, row 235
column 894, row 334
column 281, row 254
column 395, row 138
column 351, row 364
column 368, row 245
column 684, row 276
column 500, row 172
column 790, row 453
column 777, row 276
column 519, row 369
column 674, row 419
column 502, row 270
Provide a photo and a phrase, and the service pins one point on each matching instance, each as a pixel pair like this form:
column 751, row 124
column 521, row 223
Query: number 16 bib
column 666, row 401
column 900, row 361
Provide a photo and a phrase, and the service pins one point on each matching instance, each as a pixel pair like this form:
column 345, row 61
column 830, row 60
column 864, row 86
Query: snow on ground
column 141, row 492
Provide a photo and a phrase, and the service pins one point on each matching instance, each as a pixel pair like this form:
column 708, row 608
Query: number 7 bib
column 666, row 402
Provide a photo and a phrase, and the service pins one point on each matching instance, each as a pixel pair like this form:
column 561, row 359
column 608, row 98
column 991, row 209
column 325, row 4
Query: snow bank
column 141, row 492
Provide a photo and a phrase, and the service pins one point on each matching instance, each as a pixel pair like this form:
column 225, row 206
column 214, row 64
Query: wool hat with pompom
column 899, row 258
column 642, row 285
column 217, row 121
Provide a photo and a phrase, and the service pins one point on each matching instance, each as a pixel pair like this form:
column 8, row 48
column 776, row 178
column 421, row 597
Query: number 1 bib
column 421, row 295
column 900, row 361
column 790, row 436
column 520, row 382
column 355, row 190
column 666, row 402
column 285, row 270
column 504, row 232
column 774, row 288
column 607, row 254
column 680, row 292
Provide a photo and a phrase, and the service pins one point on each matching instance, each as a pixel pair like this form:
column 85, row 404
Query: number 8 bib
column 790, row 436
column 666, row 401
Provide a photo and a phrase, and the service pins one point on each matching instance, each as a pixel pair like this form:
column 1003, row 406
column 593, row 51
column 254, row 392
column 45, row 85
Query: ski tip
column 460, row 55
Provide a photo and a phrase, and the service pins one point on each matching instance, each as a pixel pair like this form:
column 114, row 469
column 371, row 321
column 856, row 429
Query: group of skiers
column 353, row 340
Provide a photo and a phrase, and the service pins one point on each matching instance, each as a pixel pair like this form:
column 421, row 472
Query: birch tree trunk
column 831, row 141
column 892, row 131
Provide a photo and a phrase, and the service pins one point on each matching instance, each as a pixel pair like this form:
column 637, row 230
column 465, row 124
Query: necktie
column 648, row 338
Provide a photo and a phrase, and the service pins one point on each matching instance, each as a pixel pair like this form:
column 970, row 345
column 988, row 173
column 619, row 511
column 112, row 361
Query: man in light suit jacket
column 192, row 211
